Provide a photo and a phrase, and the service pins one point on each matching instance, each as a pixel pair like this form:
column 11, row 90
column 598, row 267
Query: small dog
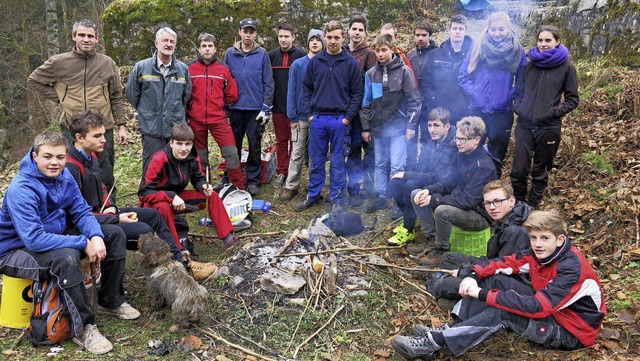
column 169, row 282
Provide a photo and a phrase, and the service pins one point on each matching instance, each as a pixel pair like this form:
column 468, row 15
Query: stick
column 292, row 239
column 348, row 249
column 247, row 235
column 94, row 287
column 210, row 333
column 419, row 269
column 384, row 229
column 206, row 208
column 318, row 330
column 110, row 191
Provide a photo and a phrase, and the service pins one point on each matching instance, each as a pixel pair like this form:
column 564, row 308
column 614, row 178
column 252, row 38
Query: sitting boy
column 509, row 237
column 562, row 308
column 165, row 178
column 456, row 199
column 88, row 131
column 40, row 206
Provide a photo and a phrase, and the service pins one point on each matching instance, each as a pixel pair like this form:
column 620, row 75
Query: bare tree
column 51, row 19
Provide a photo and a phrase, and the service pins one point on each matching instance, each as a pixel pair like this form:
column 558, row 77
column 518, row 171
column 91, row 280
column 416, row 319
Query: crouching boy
column 562, row 308
column 165, row 178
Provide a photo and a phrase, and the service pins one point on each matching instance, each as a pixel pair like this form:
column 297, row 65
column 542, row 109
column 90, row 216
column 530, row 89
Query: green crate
column 473, row 243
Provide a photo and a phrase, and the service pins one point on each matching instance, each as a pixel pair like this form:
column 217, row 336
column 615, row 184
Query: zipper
column 84, row 81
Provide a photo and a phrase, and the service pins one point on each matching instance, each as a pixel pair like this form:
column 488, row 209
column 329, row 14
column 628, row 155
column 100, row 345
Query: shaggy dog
column 169, row 282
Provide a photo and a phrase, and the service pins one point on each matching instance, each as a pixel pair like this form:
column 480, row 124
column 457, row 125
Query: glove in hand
column 263, row 118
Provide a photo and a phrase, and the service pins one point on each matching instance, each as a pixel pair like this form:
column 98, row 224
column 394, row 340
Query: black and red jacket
column 86, row 172
column 565, row 285
column 165, row 176
column 281, row 62
column 213, row 88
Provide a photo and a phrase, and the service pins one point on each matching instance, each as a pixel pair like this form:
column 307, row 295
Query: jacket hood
column 29, row 167
column 519, row 214
column 213, row 60
column 82, row 53
column 238, row 47
column 361, row 46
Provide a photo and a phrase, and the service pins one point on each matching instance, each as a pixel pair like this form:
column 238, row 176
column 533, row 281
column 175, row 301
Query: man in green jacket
column 83, row 79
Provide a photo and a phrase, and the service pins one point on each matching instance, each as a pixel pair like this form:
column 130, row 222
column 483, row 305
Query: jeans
column 325, row 131
column 390, row 154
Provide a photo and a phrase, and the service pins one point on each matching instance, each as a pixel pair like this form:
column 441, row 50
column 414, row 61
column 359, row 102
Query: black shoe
column 306, row 204
column 433, row 258
column 253, row 189
column 412, row 348
column 355, row 201
column 375, row 204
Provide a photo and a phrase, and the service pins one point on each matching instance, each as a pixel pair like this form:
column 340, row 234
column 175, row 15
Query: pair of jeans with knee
column 391, row 153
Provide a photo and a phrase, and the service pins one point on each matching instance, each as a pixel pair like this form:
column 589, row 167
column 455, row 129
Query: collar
column 161, row 64
column 83, row 154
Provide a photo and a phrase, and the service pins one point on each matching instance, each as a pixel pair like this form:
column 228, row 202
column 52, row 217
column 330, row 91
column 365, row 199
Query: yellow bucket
column 17, row 302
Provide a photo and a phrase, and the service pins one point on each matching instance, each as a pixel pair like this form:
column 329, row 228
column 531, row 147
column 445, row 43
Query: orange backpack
column 48, row 324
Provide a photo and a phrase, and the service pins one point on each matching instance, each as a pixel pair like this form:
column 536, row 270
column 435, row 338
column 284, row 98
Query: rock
column 587, row 5
column 236, row 280
column 280, row 282
column 354, row 284
column 374, row 258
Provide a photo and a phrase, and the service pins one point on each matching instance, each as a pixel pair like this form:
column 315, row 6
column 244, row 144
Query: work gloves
column 262, row 119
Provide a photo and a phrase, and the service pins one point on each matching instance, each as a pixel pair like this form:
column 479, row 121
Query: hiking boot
column 93, row 341
column 123, row 312
column 229, row 241
column 421, row 330
column 432, row 259
column 253, row 189
column 355, row 201
column 202, row 271
column 396, row 212
column 288, row 194
column 415, row 347
column 376, row 204
column 305, row 204
column 401, row 236
column 280, row 179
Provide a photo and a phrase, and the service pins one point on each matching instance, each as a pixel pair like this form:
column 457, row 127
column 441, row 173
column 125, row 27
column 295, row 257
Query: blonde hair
column 498, row 184
column 550, row 221
column 471, row 126
column 383, row 40
column 334, row 25
column 474, row 57
column 52, row 139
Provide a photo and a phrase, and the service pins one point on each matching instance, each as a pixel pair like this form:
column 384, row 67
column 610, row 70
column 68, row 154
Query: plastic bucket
column 17, row 302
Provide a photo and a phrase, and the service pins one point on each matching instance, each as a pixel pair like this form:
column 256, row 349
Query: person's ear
column 560, row 240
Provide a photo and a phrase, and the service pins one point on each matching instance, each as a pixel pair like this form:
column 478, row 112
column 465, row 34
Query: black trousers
column 149, row 220
column 400, row 189
column 244, row 122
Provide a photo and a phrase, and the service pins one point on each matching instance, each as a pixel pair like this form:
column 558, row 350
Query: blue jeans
column 391, row 153
column 327, row 130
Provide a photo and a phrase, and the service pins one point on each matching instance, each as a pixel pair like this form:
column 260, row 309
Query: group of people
column 409, row 127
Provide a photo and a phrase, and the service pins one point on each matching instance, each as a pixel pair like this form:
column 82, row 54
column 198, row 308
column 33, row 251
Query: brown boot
column 202, row 271
column 288, row 194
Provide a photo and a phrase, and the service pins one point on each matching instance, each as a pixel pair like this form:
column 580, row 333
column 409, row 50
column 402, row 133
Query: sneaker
column 124, row 312
column 202, row 271
column 432, row 259
column 401, row 236
column 376, row 204
column 241, row 225
column 280, row 179
column 93, row 341
column 396, row 212
column 415, row 347
column 305, row 204
column 253, row 189
column 421, row 330
column 288, row 194
column 355, row 201
column 229, row 241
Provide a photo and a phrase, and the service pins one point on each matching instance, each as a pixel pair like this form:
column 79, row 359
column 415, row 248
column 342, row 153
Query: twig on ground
column 306, row 307
column 419, row 288
column 261, row 234
column 125, row 338
column 384, row 229
column 212, row 334
column 349, row 249
column 239, row 335
column 244, row 305
column 318, row 330
column 419, row 269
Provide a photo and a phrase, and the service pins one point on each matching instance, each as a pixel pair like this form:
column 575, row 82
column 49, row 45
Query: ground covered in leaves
column 595, row 186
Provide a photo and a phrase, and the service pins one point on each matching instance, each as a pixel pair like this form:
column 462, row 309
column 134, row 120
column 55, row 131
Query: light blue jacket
column 294, row 90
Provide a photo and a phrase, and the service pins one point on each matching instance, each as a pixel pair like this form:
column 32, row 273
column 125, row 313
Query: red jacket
column 213, row 88
column 565, row 285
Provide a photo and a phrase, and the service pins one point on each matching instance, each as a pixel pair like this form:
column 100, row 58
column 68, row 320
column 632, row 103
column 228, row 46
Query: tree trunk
column 51, row 19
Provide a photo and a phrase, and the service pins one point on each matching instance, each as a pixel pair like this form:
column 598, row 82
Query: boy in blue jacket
column 389, row 114
column 332, row 94
column 46, row 227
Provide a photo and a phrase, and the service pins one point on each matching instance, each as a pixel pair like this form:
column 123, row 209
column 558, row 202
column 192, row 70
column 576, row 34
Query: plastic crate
column 472, row 243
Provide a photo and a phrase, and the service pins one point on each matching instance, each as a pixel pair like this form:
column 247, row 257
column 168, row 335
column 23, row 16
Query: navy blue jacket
column 436, row 159
column 254, row 76
column 332, row 85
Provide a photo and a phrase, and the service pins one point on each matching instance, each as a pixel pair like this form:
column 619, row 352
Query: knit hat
column 318, row 34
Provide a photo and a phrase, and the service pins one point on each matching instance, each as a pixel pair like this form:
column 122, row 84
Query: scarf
column 503, row 55
column 549, row 59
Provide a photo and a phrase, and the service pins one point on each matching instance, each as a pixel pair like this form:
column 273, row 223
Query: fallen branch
column 292, row 239
column 384, row 229
column 348, row 249
column 419, row 288
column 125, row 338
column 318, row 330
column 246, row 235
column 418, row 269
column 210, row 333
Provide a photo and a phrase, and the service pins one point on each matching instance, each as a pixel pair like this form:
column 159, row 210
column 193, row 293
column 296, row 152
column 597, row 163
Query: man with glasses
column 456, row 199
column 509, row 237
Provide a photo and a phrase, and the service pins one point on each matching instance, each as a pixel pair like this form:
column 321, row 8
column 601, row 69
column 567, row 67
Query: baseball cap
column 248, row 23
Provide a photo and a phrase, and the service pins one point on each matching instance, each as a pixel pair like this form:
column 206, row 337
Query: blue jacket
column 391, row 102
column 489, row 90
column 254, row 76
column 294, row 89
column 160, row 101
column 36, row 209
column 332, row 85
column 464, row 190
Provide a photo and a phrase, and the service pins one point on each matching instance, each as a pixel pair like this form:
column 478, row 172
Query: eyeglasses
column 494, row 203
column 462, row 140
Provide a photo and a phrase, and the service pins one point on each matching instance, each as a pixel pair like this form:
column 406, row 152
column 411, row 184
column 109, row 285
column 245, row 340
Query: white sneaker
column 93, row 341
column 124, row 312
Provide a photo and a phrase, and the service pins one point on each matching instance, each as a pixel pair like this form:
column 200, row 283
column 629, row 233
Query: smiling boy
column 562, row 308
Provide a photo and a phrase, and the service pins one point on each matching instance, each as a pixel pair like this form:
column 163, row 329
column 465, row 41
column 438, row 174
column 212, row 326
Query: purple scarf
column 550, row 58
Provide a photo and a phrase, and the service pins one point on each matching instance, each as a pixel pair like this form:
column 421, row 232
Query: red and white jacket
column 213, row 88
column 566, row 287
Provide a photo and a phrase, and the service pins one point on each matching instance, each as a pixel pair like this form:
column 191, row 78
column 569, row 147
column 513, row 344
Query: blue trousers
column 327, row 134
column 391, row 153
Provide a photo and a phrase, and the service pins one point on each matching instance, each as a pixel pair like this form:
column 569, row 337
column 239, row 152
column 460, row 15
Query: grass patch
column 599, row 162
